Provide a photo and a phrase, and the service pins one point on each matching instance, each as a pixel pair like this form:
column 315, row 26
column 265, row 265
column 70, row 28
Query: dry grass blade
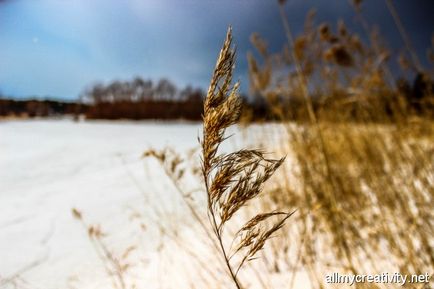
column 233, row 179
column 115, row 265
column 258, row 219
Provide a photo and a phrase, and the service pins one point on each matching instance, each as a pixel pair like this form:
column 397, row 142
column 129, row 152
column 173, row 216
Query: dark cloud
column 415, row 15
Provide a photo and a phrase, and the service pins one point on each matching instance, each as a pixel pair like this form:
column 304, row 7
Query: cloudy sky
column 58, row 47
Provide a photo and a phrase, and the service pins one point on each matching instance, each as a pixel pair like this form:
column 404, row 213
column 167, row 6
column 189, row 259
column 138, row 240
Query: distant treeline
column 39, row 108
column 144, row 99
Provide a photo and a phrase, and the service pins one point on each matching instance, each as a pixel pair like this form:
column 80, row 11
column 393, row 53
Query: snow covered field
column 48, row 167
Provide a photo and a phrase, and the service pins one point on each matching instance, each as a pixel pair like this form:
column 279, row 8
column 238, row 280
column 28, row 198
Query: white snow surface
column 48, row 167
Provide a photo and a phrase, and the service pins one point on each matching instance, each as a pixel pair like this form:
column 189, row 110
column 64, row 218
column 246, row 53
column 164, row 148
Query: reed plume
column 233, row 179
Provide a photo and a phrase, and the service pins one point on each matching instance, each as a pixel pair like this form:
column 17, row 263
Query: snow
column 48, row 167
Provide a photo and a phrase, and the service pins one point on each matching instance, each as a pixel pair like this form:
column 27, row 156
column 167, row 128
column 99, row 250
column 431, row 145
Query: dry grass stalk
column 115, row 265
column 233, row 179
column 171, row 162
column 404, row 35
column 363, row 164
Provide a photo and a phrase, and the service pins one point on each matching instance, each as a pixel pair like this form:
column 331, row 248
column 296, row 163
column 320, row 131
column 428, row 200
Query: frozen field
column 48, row 167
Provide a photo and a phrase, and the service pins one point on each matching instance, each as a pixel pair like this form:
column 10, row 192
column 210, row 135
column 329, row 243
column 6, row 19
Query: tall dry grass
column 234, row 179
column 364, row 157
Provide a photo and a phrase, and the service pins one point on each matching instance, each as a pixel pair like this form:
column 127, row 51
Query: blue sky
column 57, row 48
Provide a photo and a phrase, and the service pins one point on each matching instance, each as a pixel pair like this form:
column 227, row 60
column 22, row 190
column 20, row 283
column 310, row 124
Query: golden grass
column 232, row 180
column 364, row 161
